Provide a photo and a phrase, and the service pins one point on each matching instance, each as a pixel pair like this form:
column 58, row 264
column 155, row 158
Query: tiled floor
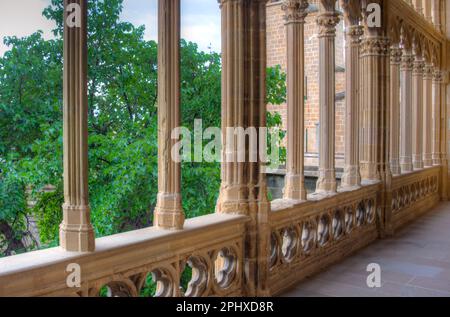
column 415, row 262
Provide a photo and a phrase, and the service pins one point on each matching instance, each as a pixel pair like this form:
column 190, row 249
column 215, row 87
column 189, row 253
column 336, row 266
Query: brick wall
column 276, row 55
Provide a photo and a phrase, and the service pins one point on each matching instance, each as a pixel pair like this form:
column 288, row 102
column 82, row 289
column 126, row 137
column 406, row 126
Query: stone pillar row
column 373, row 99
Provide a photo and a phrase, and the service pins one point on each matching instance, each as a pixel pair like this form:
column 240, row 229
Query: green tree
column 122, row 96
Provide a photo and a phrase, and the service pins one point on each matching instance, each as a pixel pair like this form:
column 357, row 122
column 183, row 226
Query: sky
column 200, row 20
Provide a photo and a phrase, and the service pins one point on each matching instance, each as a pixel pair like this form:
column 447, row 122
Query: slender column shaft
column 436, row 14
column 295, row 13
column 427, row 116
column 327, row 20
column 352, row 176
column 168, row 212
column 375, row 102
column 396, row 57
column 417, row 126
column 406, row 112
column 76, row 232
column 436, row 113
column 353, row 33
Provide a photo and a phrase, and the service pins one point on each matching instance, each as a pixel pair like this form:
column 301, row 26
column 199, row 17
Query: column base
column 76, row 233
column 326, row 182
column 233, row 200
column 75, row 238
column 406, row 166
column 417, row 162
column 427, row 160
column 351, row 177
column 395, row 167
column 169, row 212
column 437, row 160
column 369, row 172
column 294, row 187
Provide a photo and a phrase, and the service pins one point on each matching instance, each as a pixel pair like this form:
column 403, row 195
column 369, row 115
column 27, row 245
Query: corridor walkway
column 415, row 262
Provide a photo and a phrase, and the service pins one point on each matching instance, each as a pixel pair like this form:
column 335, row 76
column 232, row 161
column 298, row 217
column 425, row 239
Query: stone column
column 406, row 111
column 233, row 197
column 243, row 184
column 396, row 58
column 436, row 113
column 427, row 116
column 295, row 14
column 375, row 104
column 76, row 232
column 352, row 12
column 417, row 111
column 327, row 20
column 168, row 212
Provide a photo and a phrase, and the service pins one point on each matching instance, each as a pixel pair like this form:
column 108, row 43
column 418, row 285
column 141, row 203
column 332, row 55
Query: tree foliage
column 122, row 97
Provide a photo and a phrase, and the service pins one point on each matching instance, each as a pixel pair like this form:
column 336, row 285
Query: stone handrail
column 211, row 245
column 307, row 237
column 413, row 194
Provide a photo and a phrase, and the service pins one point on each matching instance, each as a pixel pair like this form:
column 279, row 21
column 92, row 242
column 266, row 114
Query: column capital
column 396, row 55
column 295, row 10
column 438, row 76
column 327, row 22
column 418, row 66
column 428, row 71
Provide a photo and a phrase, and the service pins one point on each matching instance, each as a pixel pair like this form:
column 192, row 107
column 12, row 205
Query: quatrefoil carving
column 164, row 283
column 225, row 266
column 289, row 246
column 360, row 214
column 337, row 225
column 308, row 236
column 348, row 219
column 200, row 276
column 323, row 230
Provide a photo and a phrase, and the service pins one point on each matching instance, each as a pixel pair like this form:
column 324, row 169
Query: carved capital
column 418, row 66
column 428, row 71
column 438, row 76
column 295, row 10
column 407, row 62
column 378, row 46
column 327, row 22
column 396, row 55
column 354, row 34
